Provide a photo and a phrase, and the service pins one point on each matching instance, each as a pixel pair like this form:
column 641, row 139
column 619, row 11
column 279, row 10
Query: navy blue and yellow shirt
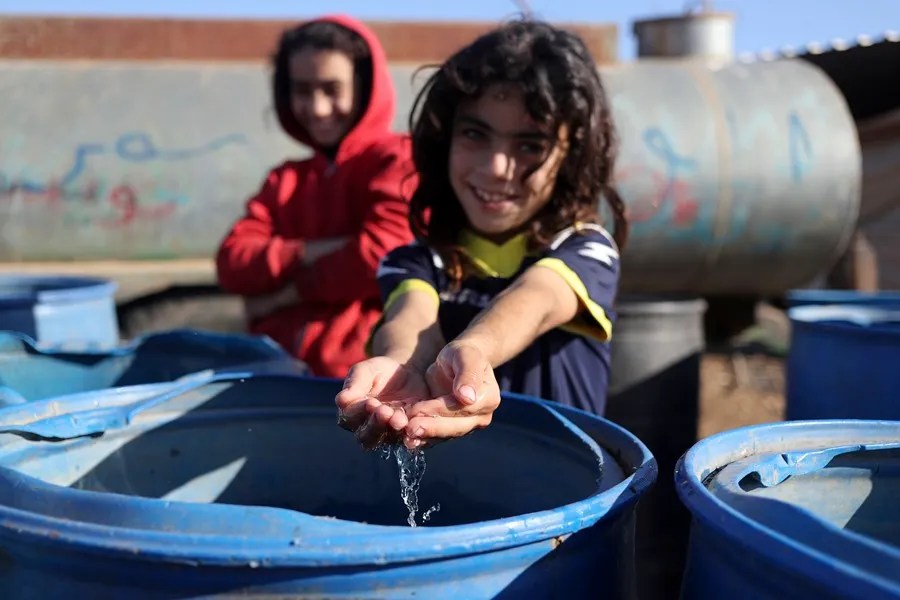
column 569, row 364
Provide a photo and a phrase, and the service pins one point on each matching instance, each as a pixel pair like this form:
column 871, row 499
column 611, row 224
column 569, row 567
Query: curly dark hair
column 318, row 35
column 560, row 85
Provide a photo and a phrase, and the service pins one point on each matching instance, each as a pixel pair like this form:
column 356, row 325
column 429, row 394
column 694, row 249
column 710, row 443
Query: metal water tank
column 740, row 179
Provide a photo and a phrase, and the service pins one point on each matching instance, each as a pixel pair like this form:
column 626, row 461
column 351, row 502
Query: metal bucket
column 654, row 393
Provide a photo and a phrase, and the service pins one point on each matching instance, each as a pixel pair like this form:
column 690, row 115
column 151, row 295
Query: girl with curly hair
column 511, row 281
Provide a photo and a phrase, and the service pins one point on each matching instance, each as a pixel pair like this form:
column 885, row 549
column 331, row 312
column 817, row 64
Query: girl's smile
column 503, row 165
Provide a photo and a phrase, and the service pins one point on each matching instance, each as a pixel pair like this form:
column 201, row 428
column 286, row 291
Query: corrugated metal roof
column 866, row 69
column 817, row 48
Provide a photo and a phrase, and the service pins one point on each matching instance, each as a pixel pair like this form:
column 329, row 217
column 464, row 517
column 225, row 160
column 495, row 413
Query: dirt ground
column 743, row 382
column 740, row 389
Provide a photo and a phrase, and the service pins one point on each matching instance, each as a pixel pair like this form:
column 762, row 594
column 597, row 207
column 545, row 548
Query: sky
column 760, row 24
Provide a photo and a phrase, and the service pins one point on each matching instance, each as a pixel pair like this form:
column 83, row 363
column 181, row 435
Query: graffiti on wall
column 668, row 174
column 82, row 194
column 800, row 147
column 667, row 181
column 668, row 186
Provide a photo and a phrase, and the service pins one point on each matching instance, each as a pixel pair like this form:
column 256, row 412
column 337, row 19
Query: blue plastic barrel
column 803, row 509
column 816, row 297
column 843, row 363
column 60, row 311
column 247, row 487
column 29, row 373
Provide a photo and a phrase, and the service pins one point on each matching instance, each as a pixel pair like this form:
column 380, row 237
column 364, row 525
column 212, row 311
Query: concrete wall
column 132, row 160
column 740, row 179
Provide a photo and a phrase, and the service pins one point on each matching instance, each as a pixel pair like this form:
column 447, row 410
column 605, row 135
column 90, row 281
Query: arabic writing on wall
column 124, row 202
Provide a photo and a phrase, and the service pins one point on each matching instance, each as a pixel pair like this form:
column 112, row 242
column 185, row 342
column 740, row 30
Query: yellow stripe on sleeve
column 411, row 285
column 595, row 310
column 407, row 285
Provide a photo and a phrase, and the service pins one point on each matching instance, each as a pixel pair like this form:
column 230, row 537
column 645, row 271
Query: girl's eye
column 301, row 89
column 531, row 148
column 332, row 90
column 472, row 134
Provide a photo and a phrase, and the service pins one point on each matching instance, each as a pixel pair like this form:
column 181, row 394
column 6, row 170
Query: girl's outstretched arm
column 462, row 377
column 410, row 333
column 532, row 305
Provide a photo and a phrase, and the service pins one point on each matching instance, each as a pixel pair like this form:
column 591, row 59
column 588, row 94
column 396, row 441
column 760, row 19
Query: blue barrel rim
column 848, row 319
column 258, row 342
column 715, row 514
column 402, row 544
column 805, row 297
column 53, row 289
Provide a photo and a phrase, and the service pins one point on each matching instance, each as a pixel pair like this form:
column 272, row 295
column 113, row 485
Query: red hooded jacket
column 363, row 193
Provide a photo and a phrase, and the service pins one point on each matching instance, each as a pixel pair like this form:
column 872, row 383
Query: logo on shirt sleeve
column 384, row 270
column 599, row 252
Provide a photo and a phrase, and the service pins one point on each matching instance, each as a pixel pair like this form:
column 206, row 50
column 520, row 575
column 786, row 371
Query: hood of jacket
column 378, row 114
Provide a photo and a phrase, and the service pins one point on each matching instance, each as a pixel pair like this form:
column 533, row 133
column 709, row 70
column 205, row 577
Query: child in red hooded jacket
column 305, row 254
